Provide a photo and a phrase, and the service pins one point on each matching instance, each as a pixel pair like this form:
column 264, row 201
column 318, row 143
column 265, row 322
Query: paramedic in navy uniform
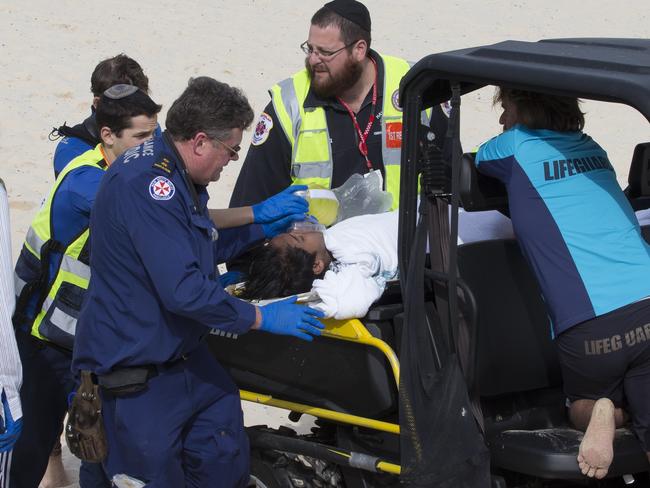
column 172, row 414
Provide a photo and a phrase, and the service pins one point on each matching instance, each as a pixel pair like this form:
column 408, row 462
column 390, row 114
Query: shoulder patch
column 165, row 165
column 262, row 129
column 161, row 188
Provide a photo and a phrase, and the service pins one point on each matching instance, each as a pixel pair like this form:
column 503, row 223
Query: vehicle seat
column 518, row 374
column 479, row 192
column 638, row 179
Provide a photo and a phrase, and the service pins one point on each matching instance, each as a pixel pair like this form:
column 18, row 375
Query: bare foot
column 597, row 447
column 55, row 476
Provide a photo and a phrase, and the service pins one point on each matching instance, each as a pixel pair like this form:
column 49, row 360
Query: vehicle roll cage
column 610, row 70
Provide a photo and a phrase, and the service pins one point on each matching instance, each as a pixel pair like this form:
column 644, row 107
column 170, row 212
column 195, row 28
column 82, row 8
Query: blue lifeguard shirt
column 572, row 220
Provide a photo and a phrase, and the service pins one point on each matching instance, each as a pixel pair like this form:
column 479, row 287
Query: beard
column 333, row 85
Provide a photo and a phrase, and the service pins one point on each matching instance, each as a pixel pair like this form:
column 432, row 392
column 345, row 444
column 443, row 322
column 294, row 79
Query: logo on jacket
column 262, row 129
column 161, row 188
column 394, row 99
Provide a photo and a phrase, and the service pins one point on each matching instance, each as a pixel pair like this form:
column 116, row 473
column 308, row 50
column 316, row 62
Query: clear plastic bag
column 361, row 195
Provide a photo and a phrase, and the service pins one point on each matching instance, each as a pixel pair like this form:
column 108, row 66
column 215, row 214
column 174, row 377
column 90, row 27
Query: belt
column 132, row 377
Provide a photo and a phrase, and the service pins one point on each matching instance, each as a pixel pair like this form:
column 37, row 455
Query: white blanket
column 365, row 254
column 365, row 257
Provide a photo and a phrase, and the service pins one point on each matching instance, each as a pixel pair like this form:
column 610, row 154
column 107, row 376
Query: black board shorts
column 609, row 357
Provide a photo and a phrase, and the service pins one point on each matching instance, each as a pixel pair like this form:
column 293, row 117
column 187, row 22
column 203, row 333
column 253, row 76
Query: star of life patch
column 394, row 99
column 161, row 188
column 262, row 129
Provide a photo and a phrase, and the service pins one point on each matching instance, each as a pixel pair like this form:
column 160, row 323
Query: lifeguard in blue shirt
column 583, row 243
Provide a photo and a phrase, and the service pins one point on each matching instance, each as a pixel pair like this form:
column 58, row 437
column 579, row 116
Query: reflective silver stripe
column 75, row 267
column 426, row 120
column 290, row 102
column 223, row 333
column 34, row 241
column 63, row 321
column 286, row 102
column 311, row 170
column 19, row 284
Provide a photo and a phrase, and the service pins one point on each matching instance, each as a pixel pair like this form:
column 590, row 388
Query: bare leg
column 597, row 447
column 580, row 414
column 55, row 475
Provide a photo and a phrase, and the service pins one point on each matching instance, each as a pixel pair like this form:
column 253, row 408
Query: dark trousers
column 47, row 382
column 185, row 429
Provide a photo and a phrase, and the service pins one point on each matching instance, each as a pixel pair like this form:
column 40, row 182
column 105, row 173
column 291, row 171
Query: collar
column 198, row 193
column 313, row 101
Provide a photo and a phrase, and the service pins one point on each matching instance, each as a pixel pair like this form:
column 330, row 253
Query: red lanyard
column 363, row 136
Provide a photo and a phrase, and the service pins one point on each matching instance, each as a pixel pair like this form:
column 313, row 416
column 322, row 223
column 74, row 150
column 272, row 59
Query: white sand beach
column 48, row 50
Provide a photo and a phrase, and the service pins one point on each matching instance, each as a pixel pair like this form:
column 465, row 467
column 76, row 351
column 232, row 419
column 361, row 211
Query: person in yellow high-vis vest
column 337, row 117
column 52, row 276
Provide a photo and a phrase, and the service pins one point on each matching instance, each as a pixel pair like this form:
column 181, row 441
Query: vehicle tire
column 262, row 475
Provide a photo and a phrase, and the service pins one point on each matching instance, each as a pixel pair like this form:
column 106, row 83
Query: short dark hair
column 117, row 114
column 350, row 32
column 279, row 272
column 119, row 69
column 541, row 111
column 209, row 106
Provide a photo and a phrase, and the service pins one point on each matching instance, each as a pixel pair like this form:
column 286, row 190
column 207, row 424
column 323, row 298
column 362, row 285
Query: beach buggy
column 452, row 378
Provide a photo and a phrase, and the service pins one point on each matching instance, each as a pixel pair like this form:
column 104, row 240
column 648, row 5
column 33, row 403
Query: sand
column 48, row 50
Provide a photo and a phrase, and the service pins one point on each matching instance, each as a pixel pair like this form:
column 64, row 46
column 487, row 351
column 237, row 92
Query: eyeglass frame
column 234, row 153
column 308, row 50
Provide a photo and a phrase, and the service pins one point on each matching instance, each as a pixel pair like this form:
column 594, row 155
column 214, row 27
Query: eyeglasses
column 322, row 54
column 234, row 151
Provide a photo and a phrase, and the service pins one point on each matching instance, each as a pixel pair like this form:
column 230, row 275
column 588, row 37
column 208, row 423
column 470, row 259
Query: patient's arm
column 349, row 292
column 225, row 218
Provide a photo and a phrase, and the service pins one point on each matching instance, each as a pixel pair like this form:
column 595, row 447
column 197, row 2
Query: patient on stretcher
column 347, row 265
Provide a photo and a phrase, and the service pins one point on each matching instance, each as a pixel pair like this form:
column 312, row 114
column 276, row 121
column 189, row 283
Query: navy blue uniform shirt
column 154, row 292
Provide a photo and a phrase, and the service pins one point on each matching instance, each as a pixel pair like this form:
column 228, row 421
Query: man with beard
column 338, row 116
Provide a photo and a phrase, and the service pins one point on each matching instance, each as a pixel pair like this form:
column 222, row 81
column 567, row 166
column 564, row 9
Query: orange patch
column 394, row 135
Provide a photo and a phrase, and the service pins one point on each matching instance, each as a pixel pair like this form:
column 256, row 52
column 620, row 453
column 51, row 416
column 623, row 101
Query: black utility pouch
column 126, row 381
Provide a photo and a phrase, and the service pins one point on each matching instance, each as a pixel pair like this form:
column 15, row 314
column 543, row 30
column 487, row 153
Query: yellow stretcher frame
column 352, row 331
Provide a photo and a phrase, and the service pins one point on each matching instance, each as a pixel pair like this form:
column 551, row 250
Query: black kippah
column 351, row 10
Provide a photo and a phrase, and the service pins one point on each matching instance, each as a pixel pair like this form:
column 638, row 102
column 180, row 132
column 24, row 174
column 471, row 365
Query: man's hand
column 281, row 205
column 287, row 318
column 11, row 428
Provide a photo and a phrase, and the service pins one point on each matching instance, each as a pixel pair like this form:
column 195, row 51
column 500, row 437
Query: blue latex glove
column 288, row 318
column 279, row 226
column 281, row 205
column 11, row 428
column 230, row 278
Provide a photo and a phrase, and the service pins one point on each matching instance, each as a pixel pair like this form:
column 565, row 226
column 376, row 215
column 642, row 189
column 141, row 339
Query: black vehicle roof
column 614, row 70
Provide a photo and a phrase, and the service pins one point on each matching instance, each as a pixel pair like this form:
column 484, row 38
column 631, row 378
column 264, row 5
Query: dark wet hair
column 209, row 106
column 542, row 111
column 279, row 272
column 119, row 69
column 117, row 114
column 350, row 32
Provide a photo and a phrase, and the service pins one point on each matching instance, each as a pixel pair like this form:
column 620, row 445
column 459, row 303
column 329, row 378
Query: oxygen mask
column 306, row 226
column 323, row 205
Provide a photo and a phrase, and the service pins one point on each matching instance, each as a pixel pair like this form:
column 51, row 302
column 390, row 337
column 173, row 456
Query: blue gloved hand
column 231, row 277
column 11, row 428
column 281, row 205
column 288, row 318
column 279, row 226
